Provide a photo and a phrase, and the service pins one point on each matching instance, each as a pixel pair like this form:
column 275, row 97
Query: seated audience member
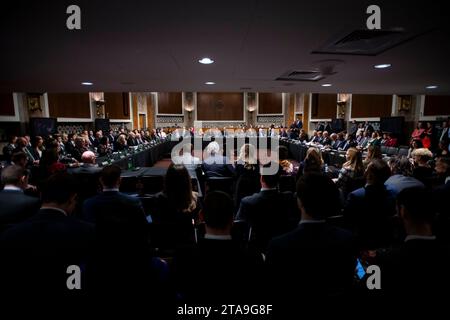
column 314, row 137
column 37, row 146
column 441, row 196
column 364, row 142
column 376, row 139
column 8, row 150
column 391, row 141
column 286, row 164
column 302, row 259
column 415, row 135
column 174, row 209
column 87, row 176
column 80, row 148
column 422, row 170
column 340, row 142
column 47, row 243
column 415, row 144
column 49, row 164
column 19, row 159
column 15, row 205
column 103, row 146
column 121, row 143
column 401, row 175
column 214, row 163
column 326, row 141
column 313, row 162
column 186, row 158
column 369, row 210
column 119, row 219
column 373, row 152
column 131, row 141
column 417, row 270
column 269, row 213
column 349, row 143
column 443, row 149
column 218, row 257
column 21, row 146
column 334, row 139
column 247, row 173
column 352, row 172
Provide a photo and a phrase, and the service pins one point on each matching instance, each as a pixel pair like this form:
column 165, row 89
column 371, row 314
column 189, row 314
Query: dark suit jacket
column 47, row 243
column 119, row 219
column 418, row 268
column 270, row 213
column 216, row 166
column 236, row 272
column 16, row 207
column 315, row 260
column 368, row 212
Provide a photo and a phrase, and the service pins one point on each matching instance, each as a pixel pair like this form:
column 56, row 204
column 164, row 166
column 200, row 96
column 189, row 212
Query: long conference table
column 141, row 162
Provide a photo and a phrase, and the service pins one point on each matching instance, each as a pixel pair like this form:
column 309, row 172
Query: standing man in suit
column 269, row 213
column 47, row 244
column 316, row 259
column 218, row 257
column 15, row 205
column 298, row 124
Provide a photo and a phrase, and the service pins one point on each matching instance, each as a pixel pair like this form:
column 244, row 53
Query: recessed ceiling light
column 87, row 83
column 431, row 87
column 210, row 83
column 326, row 85
column 382, row 66
column 206, row 61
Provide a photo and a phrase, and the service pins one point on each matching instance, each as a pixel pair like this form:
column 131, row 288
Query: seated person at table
column 314, row 137
column 80, row 147
column 391, row 140
column 340, row 142
column 103, row 147
column 418, row 267
column 369, row 210
column 401, row 175
column 247, row 173
column 326, row 141
column 349, row 143
column 174, row 209
column 269, row 213
column 15, row 205
column 186, row 158
column 422, row 169
column 352, row 172
column 214, row 163
column 364, row 142
column 217, row 258
column 316, row 259
column 87, row 176
column 121, row 143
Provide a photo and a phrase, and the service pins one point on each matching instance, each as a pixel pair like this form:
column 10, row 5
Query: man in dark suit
column 119, row 218
column 8, row 150
column 217, row 258
column 316, row 259
column 369, row 210
column 15, row 205
column 47, row 244
column 418, row 268
column 269, row 213
column 215, row 164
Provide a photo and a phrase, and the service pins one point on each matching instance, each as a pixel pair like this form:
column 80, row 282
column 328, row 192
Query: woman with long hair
column 373, row 152
column 313, row 162
column 247, row 173
column 351, row 173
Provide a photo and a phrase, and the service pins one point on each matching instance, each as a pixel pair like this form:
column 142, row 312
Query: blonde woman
column 247, row 173
column 351, row 171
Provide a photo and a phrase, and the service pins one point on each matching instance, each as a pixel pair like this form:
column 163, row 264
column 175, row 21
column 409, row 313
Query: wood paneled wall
column 436, row 106
column 270, row 103
column 323, row 106
column 371, row 105
column 151, row 111
column 117, row 105
column 289, row 114
column 69, row 105
column 217, row 106
column 170, row 103
column 7, row 104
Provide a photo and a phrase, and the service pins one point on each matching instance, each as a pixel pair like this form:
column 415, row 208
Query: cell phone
column 360, row 272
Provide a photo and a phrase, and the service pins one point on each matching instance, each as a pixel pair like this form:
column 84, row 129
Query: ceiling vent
column 301, row 75
column 365, row 42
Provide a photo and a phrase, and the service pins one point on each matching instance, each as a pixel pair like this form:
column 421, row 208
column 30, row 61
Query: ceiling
column 155, row 46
